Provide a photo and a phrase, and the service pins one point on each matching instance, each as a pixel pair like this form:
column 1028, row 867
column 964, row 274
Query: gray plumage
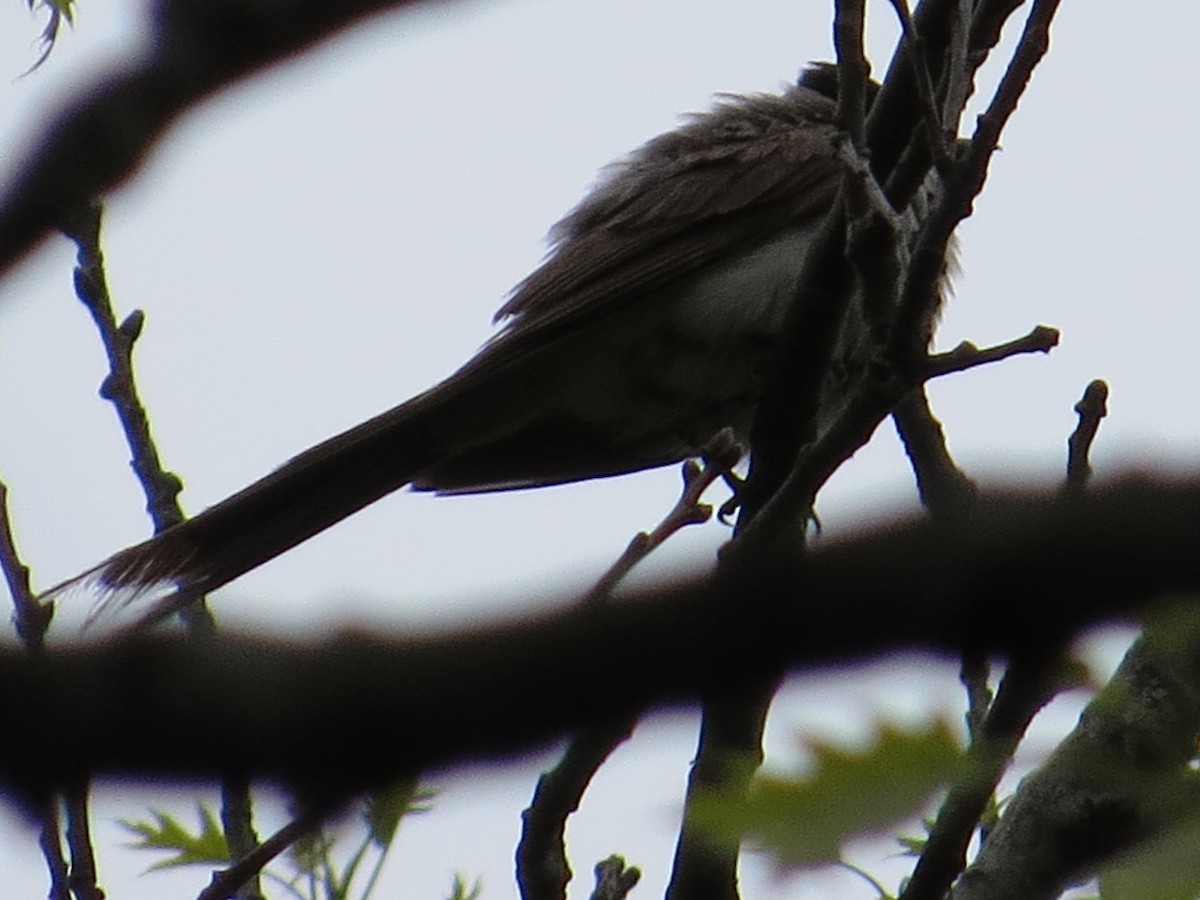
column 649, row 328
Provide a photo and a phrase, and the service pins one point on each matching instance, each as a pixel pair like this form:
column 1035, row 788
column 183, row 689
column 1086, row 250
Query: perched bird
column 649, row 329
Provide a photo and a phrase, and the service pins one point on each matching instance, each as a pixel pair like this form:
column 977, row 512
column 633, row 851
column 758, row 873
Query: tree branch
column 1122, row 776
column 1091, row 408
column 1000, row 578
column 193, row 48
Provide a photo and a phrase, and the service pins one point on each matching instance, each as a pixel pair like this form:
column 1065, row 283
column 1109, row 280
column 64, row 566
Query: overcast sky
column 319, row 244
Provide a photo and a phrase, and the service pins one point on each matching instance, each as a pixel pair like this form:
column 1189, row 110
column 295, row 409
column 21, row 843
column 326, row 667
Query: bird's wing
column 726, row 181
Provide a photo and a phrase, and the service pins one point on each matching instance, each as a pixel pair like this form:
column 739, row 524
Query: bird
column 648, row 330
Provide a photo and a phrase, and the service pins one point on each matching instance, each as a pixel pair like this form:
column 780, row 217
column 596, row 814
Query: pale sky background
column 319, row 244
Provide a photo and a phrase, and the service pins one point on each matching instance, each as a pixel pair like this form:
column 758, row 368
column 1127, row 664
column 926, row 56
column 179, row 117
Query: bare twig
column 913, row 50
column 1027, row 687
column 945, row 489
column 853, row 70
column 543, row 870
column 614, row 880
column 1042, row 339
column 119, row 387
column 31, row 616
column 226, row 883
column 688, row 510
column 943, row 486
column 237, row 821
column 50, row 842
column 1092, row 407
column 920, row 296
column 83, row 879
column 161, row 488
column 32, row 619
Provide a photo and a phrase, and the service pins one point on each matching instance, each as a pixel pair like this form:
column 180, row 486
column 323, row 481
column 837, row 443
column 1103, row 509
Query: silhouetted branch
column 160, row 487
column 614, row 880
column 32, row 619
column 82, row 878
column 226, row 883
column 1042, row 339
column 1027, row 686
column 1002, row 578
column 688, row 510
column 1122, row 776
column 192, row 49
column 942, row 485
column 853, row 69
column 1091, row 408
column 543, row 870
column 51, row 844
column 996, row 728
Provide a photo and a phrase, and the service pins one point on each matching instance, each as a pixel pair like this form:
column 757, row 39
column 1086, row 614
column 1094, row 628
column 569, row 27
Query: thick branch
column 1003, row 577
column 1122, row 775
column 194, row 48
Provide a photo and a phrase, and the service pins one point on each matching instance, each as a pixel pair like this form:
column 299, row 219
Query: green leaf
column 205, row 847
column 803, row 822
column 1165, row 868
column 309, row 853
column 460, row 891
column 58, row 11
column 386, row 807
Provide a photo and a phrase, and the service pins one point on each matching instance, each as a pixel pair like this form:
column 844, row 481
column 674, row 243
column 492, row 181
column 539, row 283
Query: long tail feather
column 303, row 497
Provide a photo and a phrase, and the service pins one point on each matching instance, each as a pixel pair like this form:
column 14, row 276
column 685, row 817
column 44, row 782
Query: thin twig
column 237, row 821
column 942, row 485
column 614, row 880
column 945, row 490
column 83, row 878
column 160, row 487
column 688, row 510
column 853, row 69
column 226, row 883
column 1028, row 685
column 50, row 841
column 961, row 186
column 31, row 616
column 935, row 132
column 1091, row 408
column 543, row 870
column 966, row 355
column 119, row 387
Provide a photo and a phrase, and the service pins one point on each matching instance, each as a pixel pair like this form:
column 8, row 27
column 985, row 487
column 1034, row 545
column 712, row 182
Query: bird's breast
column 692, row 360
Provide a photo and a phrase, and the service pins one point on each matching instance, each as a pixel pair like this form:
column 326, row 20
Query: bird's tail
column 306, row 495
